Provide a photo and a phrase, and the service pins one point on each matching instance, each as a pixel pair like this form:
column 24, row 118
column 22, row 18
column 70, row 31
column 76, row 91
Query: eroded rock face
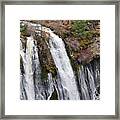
column 80, row 49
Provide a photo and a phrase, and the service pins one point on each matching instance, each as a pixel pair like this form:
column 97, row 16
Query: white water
column 84, row 88
column 65, row 83
column 92, row 85
column 50, row 87
column 62, row 62
column 87, row 83
column 31, row 79
column 31, row 53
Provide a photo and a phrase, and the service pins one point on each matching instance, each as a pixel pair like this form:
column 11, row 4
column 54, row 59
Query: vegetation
column 85, row 29
column 80, row 38
column 82, row 44
column 23, row 30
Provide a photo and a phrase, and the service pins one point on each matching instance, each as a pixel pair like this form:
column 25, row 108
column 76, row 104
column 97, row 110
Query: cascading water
column 82, row 79
column 27, row 64
column 65, row 84
column 31, row 85
column 62, row 62
column 87, row 80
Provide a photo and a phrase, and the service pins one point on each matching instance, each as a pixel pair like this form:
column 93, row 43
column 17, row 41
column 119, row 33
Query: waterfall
column 31, row 85
column 27, row 63
column 92, row 85
column 50, row 87
column 31, row 68
column 62, row 62
column 87, row 80
column 82, row 80
column 65, row 84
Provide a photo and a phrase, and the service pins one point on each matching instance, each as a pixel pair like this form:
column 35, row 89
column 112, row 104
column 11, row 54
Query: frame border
column 55, row 2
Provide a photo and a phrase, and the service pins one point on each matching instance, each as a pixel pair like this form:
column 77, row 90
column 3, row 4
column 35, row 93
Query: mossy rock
column 24, row 30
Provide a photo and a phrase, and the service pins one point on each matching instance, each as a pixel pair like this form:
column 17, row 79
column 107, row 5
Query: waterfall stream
column 27, row 64
column 87, row 83
column 62, row 62
column 31, row 79
column 66, row 85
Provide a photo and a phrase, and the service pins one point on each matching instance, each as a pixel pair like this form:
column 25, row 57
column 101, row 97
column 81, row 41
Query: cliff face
column 82, row 44
column 81, row 38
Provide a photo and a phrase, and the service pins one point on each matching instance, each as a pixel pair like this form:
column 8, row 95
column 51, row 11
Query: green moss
column 54, row 95
column 53, row 70
column 78, row 27
column 70, row 53
column 23, row 30
column 45, row 58
column 44, row 75
column 84, row 29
